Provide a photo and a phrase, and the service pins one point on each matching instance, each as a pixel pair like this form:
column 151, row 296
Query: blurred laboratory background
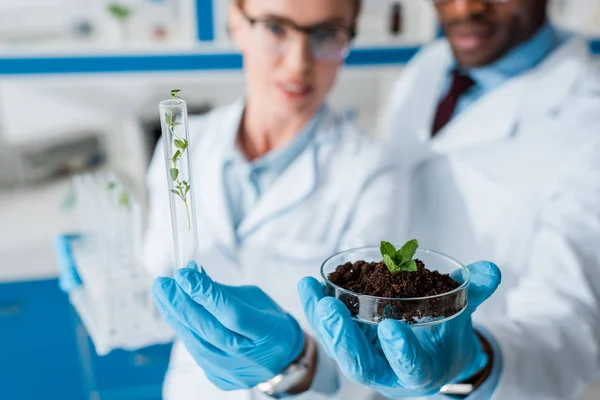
column 80, row 83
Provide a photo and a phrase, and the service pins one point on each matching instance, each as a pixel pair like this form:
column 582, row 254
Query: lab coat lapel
column 555, row 78
column 429, row 87
column 491, row 118
column 413, row 105
column 296, row 183
column 495, row 116
column 222, row 127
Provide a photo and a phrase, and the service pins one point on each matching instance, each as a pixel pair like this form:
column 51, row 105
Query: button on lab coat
column 341, row 192
column 515, row 179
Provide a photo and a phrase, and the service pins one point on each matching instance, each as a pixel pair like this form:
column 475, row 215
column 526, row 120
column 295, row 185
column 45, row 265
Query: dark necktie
column 460, row 84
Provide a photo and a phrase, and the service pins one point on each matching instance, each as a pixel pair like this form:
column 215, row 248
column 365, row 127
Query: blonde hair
column 357, row 6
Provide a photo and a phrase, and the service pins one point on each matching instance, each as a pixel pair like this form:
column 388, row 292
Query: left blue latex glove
column 393, row 358
column 238, row 335
column 68, row 277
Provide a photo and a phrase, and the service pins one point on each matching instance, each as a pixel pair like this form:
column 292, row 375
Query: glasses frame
column 306, row 30
column 442, row 2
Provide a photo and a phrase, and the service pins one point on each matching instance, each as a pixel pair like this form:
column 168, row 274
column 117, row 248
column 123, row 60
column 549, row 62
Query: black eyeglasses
column 439, row 2
column 329, row 42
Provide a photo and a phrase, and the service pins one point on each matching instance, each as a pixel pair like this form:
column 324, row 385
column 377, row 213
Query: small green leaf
column 168, row 119
column 175, row 191
column 111, row 185
column 387, row 248
column 119, row 11
column 410, row 266
column 180, row 145
column 407, row 252
column 187, row 189
column 124, row 199
column 174, row 92
column 389, row 262
column 174, row 124
column 176, row 156
column 174, row 173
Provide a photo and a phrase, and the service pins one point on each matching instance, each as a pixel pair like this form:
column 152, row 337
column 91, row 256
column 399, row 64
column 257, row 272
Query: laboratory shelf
column 178, row 61
column 182, row 61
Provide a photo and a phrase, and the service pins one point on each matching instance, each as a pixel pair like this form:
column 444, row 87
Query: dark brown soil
column 375, row 279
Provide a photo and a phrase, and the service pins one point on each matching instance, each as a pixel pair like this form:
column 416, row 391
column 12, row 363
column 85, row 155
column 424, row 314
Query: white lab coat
column 341, row 192
column 516, row 179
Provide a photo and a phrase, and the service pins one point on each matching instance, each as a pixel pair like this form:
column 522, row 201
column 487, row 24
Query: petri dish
column 415, row 311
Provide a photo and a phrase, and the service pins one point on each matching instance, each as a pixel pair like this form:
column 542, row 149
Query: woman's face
column 282, row 71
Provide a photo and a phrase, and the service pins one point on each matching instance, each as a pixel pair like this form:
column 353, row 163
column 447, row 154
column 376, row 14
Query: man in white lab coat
column 499, row 124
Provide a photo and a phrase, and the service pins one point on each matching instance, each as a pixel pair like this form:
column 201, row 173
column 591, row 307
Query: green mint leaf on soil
column 387, row 248
column 407, row 252
column 399, row 260
column 410, row 266
column 174, row 173
column 392, row 266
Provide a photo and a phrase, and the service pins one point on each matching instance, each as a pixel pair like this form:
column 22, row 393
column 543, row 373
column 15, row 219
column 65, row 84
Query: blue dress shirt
column 245, row 181
column 517, row 61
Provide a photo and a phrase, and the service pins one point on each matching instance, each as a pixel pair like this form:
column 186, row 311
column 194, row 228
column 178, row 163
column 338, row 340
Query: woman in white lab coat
column 515, row 178
column 323, row 186
column 281, row 181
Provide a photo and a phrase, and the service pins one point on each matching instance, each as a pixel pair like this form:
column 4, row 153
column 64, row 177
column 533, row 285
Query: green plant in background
column 123, row 200
column 182, row 188
column 400, row 260
column 119, row 11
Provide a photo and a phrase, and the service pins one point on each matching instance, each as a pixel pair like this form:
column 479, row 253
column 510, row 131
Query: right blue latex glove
column 68, row 277
column 401, row 361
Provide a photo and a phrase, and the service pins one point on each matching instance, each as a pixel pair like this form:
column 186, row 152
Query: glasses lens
column 484, row 1
column 272, row 35
column 329, row 44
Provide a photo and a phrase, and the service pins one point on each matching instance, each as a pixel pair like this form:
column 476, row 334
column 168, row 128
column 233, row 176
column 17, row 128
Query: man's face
column 481, row 32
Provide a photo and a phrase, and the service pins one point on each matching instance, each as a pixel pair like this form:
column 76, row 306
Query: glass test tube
column 176, row 143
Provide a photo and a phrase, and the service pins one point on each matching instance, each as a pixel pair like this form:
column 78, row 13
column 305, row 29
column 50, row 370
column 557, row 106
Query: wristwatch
column 280, row 386
column 467, row 387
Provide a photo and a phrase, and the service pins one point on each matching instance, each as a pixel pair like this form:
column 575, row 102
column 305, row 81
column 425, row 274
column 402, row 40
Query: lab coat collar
column 295, row 185
column 559, row 72
column 495, row 116
column 210, row 169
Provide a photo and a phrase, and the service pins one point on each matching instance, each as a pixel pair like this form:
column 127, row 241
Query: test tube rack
column 115, row 301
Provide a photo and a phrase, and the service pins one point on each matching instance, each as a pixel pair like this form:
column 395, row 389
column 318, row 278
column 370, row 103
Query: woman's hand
column 238, row 335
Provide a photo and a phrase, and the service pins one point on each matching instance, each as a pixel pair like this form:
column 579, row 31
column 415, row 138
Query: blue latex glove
column 68, row 277
column 397, row 360
column 238, row 335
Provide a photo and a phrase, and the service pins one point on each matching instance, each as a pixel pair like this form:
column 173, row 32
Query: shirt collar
column 520, row 59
